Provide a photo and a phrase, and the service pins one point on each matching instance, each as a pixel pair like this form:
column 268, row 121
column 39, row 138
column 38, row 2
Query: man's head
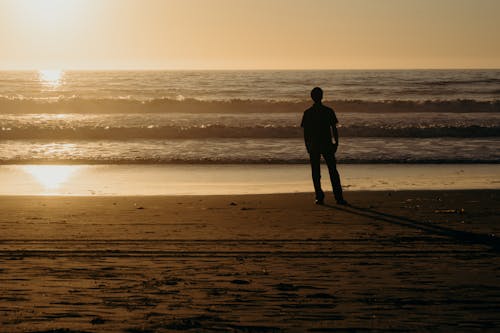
column 317, row 94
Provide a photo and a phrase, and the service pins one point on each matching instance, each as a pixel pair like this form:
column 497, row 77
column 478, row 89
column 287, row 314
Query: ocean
column 246, row 117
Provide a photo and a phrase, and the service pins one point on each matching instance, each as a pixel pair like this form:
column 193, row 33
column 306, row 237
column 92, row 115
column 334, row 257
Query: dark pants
column 315, row 159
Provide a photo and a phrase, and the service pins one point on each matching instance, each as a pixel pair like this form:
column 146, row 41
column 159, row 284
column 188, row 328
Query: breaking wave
column 220, row 131
column 246, row 151
column 166, row 105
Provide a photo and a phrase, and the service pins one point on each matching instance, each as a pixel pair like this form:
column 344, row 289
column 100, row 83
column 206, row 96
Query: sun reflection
column 51, row 177
column 51, row 77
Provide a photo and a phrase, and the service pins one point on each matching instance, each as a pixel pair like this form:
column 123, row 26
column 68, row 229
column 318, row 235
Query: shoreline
column 328, row 193
column 234, row 179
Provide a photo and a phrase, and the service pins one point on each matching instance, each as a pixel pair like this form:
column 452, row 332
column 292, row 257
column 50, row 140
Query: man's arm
column 333, row 124
column 335, row 134
column 306, row 131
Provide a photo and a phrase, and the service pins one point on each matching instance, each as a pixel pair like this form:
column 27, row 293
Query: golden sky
column 249, row 34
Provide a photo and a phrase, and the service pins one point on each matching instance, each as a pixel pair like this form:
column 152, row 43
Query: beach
column 168, row 166
column 160, row 201
column 391, row 261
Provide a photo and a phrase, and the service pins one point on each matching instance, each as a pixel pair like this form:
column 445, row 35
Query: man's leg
column 314, row 158
column 334, row 177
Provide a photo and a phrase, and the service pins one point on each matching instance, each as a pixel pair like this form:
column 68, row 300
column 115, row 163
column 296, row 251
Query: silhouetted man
column 319, row 122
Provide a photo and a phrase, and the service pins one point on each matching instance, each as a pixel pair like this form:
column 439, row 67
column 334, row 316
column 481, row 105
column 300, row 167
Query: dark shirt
column 317, row 122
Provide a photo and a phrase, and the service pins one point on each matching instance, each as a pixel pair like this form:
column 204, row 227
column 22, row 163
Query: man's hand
column 335, row 147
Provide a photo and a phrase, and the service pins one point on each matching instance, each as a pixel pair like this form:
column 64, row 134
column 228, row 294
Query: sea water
column 246, row 117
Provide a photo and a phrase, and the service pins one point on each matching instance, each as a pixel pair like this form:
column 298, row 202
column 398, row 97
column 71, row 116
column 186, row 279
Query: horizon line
column 249, row 69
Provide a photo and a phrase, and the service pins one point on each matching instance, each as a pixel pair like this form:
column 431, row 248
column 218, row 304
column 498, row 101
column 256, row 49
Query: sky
column 249, row 34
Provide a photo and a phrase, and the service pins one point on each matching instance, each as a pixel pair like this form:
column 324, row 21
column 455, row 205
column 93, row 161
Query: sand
column 232, row 179
column 414, row 260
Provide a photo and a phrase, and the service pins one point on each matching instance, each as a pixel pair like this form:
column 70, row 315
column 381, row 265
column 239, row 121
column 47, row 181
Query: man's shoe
column 342, row 202
column 319, row 202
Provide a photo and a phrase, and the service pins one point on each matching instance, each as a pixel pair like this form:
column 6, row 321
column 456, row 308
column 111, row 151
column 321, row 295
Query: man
column 319, row 121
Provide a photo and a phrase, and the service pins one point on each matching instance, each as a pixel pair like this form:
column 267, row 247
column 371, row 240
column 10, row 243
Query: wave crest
column 220, row 131
column 166, row 105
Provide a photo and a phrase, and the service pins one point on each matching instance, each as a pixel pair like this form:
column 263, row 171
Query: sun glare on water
column 50, row 77
column 51, row 177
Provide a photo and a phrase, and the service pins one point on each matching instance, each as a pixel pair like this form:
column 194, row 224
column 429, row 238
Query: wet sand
column 407, row 260
column 233, row 179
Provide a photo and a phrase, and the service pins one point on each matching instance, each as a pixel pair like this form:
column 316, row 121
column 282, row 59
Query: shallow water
column 235, row 179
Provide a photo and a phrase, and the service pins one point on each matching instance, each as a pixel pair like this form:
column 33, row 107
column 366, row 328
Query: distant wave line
column 58, row 105
column 221, row 131
column 459, row 82
column 149, row 161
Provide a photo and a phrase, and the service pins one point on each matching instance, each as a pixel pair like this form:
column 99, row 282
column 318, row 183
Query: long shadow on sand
column 462, row 236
